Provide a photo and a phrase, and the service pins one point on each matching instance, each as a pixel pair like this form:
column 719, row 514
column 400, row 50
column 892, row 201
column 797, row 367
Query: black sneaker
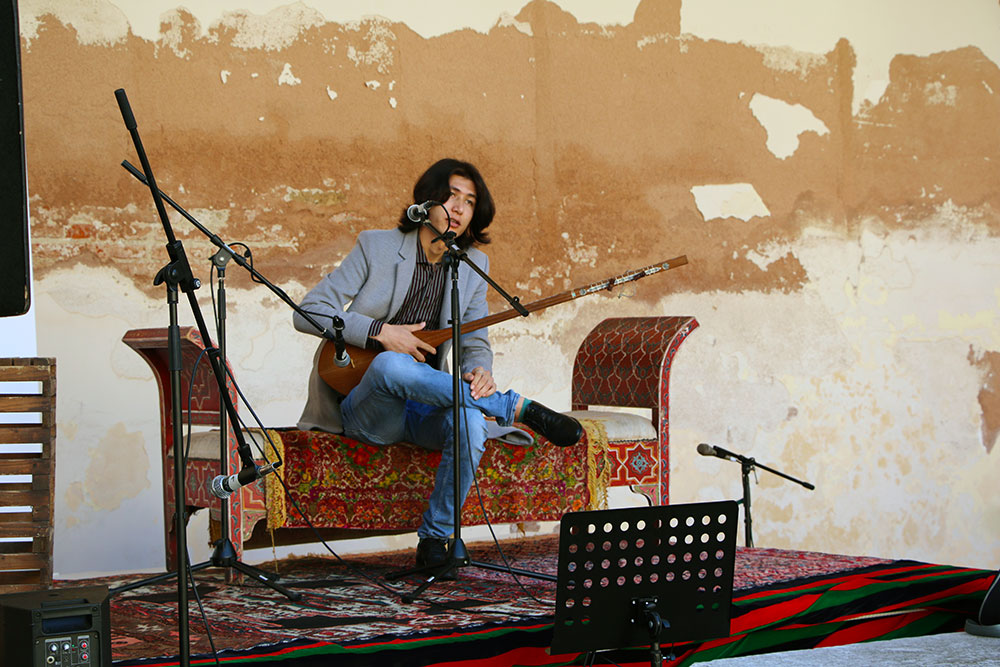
column 559, row 429
column 433, row 551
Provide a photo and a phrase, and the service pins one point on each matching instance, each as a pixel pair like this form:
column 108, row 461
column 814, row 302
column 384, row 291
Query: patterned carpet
column 782, row 600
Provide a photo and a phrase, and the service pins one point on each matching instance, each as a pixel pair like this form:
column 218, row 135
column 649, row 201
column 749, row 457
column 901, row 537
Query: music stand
column 643, row 576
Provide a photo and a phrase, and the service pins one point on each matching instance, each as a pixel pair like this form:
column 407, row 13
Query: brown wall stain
column 595, row 132
column 988, row 363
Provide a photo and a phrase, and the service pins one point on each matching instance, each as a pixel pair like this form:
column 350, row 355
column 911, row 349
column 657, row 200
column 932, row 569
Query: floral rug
column 347, row 609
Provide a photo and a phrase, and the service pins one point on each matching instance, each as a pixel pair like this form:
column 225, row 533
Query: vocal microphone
column 418, row 212
column 708, row 450
column 223, row 486
column 341, row 358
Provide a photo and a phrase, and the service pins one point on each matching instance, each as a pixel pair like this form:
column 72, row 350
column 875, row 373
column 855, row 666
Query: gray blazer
column 370, row 284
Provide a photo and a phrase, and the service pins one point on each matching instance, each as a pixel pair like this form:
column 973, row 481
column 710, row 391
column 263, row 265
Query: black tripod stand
column 224, row 552
column 458, row 555
column 176, row 276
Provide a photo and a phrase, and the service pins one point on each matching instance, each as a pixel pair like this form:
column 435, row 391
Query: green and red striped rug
column 349, row 615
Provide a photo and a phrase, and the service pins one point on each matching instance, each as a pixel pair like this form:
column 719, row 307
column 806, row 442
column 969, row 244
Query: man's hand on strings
column 400, row 338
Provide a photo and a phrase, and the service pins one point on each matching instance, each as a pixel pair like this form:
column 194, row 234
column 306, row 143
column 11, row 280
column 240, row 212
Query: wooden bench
column 350, row 489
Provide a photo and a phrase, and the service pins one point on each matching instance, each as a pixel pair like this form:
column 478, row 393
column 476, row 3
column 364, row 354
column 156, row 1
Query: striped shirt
column 423, row 299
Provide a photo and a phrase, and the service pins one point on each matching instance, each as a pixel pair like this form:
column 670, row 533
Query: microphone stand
column 747, row 466
column 458, row 554
column 224, row 553
column 177, row 275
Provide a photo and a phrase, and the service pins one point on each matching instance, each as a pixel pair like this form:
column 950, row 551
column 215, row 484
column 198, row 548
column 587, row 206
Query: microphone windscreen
column 415, row 213
column 706, row 450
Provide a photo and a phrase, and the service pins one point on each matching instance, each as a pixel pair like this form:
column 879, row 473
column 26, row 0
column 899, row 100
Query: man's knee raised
column 387, row 365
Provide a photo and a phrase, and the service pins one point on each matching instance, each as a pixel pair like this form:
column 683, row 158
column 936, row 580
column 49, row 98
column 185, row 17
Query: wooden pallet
column 27, row 472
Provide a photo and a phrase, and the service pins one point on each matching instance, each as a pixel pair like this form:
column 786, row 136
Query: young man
column 396, row 285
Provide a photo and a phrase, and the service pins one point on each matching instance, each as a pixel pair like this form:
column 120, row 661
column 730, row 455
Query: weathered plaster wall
column 831, row 176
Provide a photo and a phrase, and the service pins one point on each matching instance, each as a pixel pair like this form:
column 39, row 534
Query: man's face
column 460, row 206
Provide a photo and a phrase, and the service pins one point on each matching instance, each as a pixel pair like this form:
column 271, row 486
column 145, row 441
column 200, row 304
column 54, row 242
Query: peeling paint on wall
column 118, row 469
column 835, row 191
column 784, row 123
column 734, row 200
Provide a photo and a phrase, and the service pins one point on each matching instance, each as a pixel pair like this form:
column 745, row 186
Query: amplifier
column 62, row 627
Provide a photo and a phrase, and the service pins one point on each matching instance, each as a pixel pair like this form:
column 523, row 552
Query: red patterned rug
column 782, row 599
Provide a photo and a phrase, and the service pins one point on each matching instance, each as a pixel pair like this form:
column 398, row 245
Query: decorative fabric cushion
column 340, row 482
column 619, row 425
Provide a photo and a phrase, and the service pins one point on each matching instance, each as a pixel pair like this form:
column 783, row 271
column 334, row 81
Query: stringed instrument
column 345, row 378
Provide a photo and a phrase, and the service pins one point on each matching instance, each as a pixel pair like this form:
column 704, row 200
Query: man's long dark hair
column 434, row 185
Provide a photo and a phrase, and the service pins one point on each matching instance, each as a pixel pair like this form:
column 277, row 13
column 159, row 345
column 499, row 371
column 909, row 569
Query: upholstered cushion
column 620, row 425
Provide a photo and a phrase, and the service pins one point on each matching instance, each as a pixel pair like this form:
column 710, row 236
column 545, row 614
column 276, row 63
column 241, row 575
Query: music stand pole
column 746, row 468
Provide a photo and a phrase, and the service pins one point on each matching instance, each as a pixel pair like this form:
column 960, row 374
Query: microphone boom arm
column 753, row 463
column 747, row 465
column 239, row 259
column 449, row 241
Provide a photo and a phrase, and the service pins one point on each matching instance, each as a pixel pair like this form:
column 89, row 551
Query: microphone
column 223, row 487
column 418, row 212
column 341, row 358
column 708, row 450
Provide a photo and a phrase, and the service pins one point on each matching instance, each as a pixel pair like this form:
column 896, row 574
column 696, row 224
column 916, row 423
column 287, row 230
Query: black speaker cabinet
column 63, row 627
column 15, row 288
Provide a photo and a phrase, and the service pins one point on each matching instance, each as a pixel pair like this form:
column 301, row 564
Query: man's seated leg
column 559, row 429
column 374, row 411
column 432, row 428
column 393, row 376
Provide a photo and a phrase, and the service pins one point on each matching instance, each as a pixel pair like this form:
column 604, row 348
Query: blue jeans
column 401, row 399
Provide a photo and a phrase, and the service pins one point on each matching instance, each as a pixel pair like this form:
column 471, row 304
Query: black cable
column 186, row 555
column 605, row 658
column 187, row 445
column 211, row 292
column 248, row 255
column 201, row 608
column 274, row 448
column 486, row 517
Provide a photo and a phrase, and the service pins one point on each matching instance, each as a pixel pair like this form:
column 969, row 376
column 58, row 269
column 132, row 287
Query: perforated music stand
column 645, row 575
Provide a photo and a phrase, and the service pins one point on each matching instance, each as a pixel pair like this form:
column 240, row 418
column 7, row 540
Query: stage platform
column 349, row 615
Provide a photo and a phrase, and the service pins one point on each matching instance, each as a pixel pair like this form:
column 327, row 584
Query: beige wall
column 831, row 174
